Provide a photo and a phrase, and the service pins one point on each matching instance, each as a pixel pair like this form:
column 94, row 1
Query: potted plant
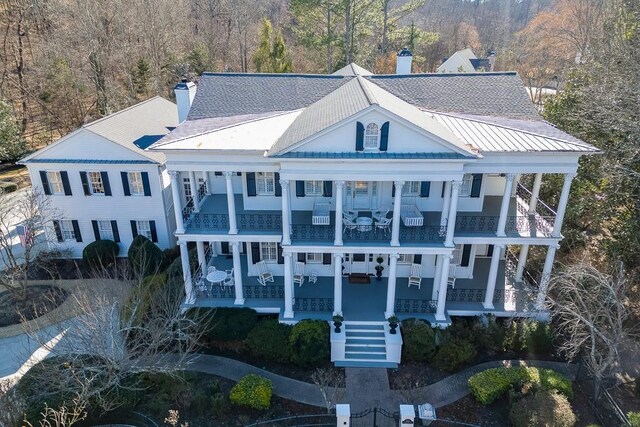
column 393, row 324
column 337, row 322
column 379, row 268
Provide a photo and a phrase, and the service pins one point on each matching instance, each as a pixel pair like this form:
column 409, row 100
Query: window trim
column 317, row 188
column 369, row 136
column 131, row 186
column 266, row 248
column 100, row 229
column 71, row 232
column 406, row 262
column 267, row 178
column 58, row 175
column 407, row 186
column 92, row 188
column 148, row 225
column 315, row 259
column 467, row 184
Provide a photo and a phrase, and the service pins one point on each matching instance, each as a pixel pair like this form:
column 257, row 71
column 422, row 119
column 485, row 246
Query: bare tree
column 329, row 381
column 591, row 310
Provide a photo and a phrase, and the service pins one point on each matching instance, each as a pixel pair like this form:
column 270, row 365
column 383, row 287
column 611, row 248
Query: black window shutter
column 76, row 230
column 85, row 183
column 96, row 230
column 425, row 187
column 466, row 255
column 299, row 188
column 444, row 185
column 56, row 227
column 238, row 173
column 251, row 184
column 476, row 185
column 134, row 228
column 105, row 183
column 45, row 183
column 490, row 250
column 65, row 183
column 255, row 252
column 280, row 257
column 145, row 183
column 359, row 137
column 384, row 136
column 393, row 189
column 154, row 232
column 326, row 188
column 114, row 230
column 417, row 259
column 217, row 173
column 326, row 259
column 125, row 184
column 224, row 247
column 278, row 187
column 302, row 257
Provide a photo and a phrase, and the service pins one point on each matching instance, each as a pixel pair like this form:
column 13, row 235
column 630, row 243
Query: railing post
column 186, row 273
column 493, row 276
column 562, row 204
column 288, row 286
column 237, row 273
column 391, row 285
column 231, row 204
column 193, row 184
column 343, row 415
column 338, row 225
column 397, row 206
column 407, row 416
column 546, row 276
column 535, row 191
column 453, row 210
column 177, row 200
column 337, row 284
column 504, row 208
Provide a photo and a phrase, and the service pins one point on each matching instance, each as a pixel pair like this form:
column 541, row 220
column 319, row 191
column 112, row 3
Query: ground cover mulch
column 39, row 301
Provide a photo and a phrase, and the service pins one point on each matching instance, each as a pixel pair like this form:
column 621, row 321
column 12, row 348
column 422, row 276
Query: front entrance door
column 359, row 263
column 361, row 193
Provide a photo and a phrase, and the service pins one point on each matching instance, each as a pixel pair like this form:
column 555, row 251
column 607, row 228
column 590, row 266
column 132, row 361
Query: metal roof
column 492, row 137
column 371, row 155
column 93, row 161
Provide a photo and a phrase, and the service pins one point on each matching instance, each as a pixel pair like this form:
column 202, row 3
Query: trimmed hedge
column 252, row 391
column 418, row 341
column 269, row 340
column 454, row 353
column 226, row 323
column 309, row 343
column 7, row 187
column 489, row 385
column 543, row 409
column 100, row 253
column 144, row 257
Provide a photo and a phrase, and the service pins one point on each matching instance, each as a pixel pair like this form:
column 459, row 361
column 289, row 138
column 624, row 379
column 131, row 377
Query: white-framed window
column 411, row 188
column 371, row 137
column 144, row 229
column 186, row 185
column 55, row 182
column 405, row 259
column 314, row 257
column 457, row 255
column 465, row 188
column 135, row 183
column 106, row 232
column 66, row 229
column 265, row 183
column 96, row 185
column 269, row 251
column 313, row 188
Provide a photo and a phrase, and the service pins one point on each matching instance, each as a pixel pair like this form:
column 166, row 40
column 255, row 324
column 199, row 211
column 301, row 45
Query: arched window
column 372, row 136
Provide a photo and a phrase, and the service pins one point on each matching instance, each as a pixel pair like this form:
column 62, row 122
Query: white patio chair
column 349, row 225
column 229, row 273
column 350, row 214
column 384, row 224
column 415, row 277
column 211, row 269
column 227, row 283
column 451, row 280
column 298, row 274
column 264, row 275
column 202, row 289
column 313, row 277
column 380, row 213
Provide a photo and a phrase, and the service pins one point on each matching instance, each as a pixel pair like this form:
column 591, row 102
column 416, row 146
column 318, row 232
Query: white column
column 337, row 284
column 442, row 288
column 493, row 276
column 397, row 205
column 546, row 276
column 445, row 204
column 186, row 273
column 504, row 208
column 522, row 260
column 202, row 260
column 208, row 177
column 436, row 278
column 338, row 230
column 391, row 285
column 231, row 204
column 177, row 200
column 562, row 204
column 535, row 191
column 288, row 286
column 194, row 191
column 286, row 214
column 237, row 273
column 453, row 210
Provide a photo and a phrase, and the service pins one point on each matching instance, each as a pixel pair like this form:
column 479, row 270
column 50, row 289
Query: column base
column 501, row 234
column 233, row 231
column 392, row 243
column 337, row 243
column 285, row 242
column 239, row 301
column 179, row 231
column 441, row 318
column 288, row 315
column 388, row 314
column 488, row 306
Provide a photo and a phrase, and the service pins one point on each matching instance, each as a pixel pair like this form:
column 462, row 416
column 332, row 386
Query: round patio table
column 364, row 223
column 217, row 276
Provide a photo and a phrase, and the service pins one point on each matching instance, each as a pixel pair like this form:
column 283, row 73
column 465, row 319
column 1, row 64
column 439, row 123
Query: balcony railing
column 423, row 306
column 506, row 296
column 246, row 222
column 522, row 224
column 203, row 221
column 313, row 304
column 312, row 232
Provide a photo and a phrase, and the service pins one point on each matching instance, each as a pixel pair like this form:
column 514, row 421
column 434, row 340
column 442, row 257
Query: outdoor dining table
column 364, row 223
column 217, row 276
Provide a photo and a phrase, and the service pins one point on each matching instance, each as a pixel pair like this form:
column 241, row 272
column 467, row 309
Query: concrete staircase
column 365, row 346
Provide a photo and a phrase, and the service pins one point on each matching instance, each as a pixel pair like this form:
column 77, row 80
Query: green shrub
column 225, row 324
column 168, row 256
column 543, row 409
column 516, row 336
column 540, row 338
column 269, row 340
column 418, row 341
column 489, row 385
column 142, row 298
column 491, row 337
column 634, row 419
column 144, row 257
column 100, row 253
column 252, row 391
column 175, row 268
column 309, row 343
column 454, row 353
column 7, row 187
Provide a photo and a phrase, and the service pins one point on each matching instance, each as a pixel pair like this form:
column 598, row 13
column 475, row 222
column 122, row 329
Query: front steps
column 365, row 346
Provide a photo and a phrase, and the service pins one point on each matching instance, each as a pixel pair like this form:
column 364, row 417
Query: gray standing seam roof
column 233, row 94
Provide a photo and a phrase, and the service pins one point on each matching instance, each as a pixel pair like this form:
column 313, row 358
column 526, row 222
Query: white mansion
column 364, row 195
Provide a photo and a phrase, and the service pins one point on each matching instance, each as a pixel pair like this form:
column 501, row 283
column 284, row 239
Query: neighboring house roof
column 231, row 94
column 135, row 128
column 352, row 70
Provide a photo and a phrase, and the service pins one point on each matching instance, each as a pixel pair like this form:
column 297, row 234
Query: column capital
column 287, row 254
column 227, row 174
column 448, row 256
column 235, row 244
column 570, row 175
column 455, row 185
column 339, row 184
column 284, row 183
column 510, row 177
column 336, row 256
column 182, row 243
column 394, row 255
column 398, row 184
column 174, row 174
column 499, row 245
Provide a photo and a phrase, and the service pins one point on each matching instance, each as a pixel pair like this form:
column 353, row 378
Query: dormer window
column 372, row 137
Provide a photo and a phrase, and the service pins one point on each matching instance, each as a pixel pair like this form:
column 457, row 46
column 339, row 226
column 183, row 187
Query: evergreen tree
column 12, row 145
column 141, row 76
column 271, row 56
column 280, row 58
